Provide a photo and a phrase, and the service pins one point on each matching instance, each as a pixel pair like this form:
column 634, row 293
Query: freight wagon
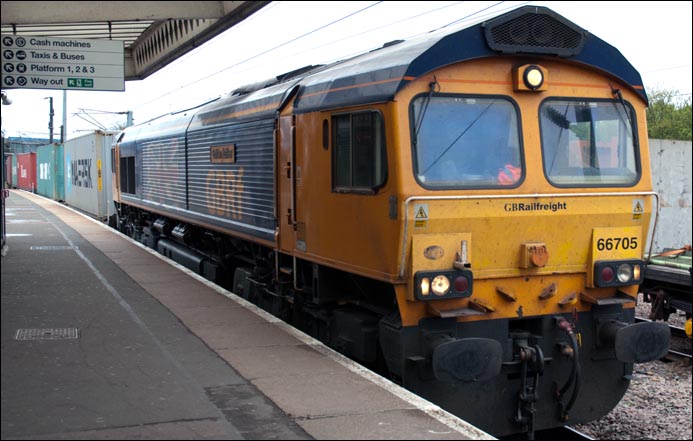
column 26, row 171
column 13, row 179
column 10, row 160
column 87, row 160
column 51, row 171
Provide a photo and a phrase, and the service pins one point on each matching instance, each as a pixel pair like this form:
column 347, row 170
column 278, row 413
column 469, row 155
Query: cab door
column 288, row 182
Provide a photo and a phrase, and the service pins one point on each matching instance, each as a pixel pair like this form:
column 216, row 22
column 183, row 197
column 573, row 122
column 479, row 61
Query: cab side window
column 127, row 175
column 359, row 162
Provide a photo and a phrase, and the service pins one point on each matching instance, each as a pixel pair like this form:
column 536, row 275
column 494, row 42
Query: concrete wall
column 671, row 179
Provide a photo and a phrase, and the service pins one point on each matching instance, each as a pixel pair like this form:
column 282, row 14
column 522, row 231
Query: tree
column 667, row 117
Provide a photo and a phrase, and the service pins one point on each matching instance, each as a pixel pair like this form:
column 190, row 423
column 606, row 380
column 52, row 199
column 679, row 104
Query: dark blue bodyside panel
column 236, row 191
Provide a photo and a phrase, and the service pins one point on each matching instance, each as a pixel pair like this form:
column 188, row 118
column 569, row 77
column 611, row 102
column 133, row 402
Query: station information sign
column 62, row 63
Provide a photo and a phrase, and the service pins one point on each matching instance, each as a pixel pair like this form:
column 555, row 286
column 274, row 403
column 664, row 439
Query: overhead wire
column 474, row 15
column 90, row 120
column 264, row 52
column 362, row 33
column 247, row 60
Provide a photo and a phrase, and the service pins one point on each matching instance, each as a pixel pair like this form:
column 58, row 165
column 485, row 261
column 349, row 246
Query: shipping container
column 14, row 172
column 87, row 174
column 7, row 176
column 51, row 171
column 26, row 171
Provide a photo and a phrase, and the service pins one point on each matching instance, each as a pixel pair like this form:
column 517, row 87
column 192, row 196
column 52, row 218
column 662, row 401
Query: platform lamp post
column 50, row 115
column 63, row 128
column 6, row 101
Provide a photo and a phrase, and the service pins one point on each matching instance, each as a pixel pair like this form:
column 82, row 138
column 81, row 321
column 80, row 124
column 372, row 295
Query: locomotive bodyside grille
column 163, row 171
column 242, row 190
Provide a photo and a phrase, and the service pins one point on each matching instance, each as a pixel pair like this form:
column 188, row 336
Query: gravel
column 657, row 404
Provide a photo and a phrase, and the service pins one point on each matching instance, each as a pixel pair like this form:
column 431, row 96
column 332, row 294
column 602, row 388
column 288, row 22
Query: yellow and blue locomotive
column 467, row 211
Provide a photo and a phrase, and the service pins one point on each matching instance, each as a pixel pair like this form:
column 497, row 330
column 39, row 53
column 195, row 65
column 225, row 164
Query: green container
column 14, row 171
column 680, row 260
column 50, row 171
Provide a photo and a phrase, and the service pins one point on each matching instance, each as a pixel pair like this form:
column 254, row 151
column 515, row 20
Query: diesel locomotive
column 467, row 212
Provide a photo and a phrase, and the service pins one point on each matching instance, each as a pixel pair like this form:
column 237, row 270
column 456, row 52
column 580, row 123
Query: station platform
column 103, row 338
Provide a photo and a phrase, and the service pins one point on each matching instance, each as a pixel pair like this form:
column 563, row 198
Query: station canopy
column 154, row 33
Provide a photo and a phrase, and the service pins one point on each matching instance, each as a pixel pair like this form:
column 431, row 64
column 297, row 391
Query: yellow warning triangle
column 638, row 208
column 421, row 214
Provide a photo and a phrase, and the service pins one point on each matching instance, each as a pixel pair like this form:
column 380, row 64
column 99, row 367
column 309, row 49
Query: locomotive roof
column 378, row 75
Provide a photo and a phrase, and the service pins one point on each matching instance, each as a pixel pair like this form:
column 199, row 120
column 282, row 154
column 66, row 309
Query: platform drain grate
column 47, row 334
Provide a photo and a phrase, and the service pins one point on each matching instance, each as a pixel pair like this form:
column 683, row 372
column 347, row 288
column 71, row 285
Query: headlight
column 533, row 77
column 530, row 77
column 625, row 273
column 448, row 284
column 440, row 285
column 617, row 273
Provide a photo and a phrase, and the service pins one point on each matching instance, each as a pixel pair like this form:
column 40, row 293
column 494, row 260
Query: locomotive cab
column 524, row 262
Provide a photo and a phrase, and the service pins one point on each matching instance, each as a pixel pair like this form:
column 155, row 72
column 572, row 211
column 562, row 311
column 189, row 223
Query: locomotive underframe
column 359, row 317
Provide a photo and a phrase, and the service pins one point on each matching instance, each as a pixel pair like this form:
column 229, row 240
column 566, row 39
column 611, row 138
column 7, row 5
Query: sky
column 656, row 38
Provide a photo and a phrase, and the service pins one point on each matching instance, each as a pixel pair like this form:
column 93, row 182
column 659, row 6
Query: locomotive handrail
column 292, row 172
column 410, row 199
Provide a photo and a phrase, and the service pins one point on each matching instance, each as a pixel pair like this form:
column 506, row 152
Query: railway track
column 565, row 433
column 682, row 357
column 680, row 347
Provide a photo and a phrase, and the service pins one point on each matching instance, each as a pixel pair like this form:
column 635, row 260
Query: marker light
column 607, row 274
column 533, row 77
column 461, row 283
column 636, row 272
column 425, row 286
